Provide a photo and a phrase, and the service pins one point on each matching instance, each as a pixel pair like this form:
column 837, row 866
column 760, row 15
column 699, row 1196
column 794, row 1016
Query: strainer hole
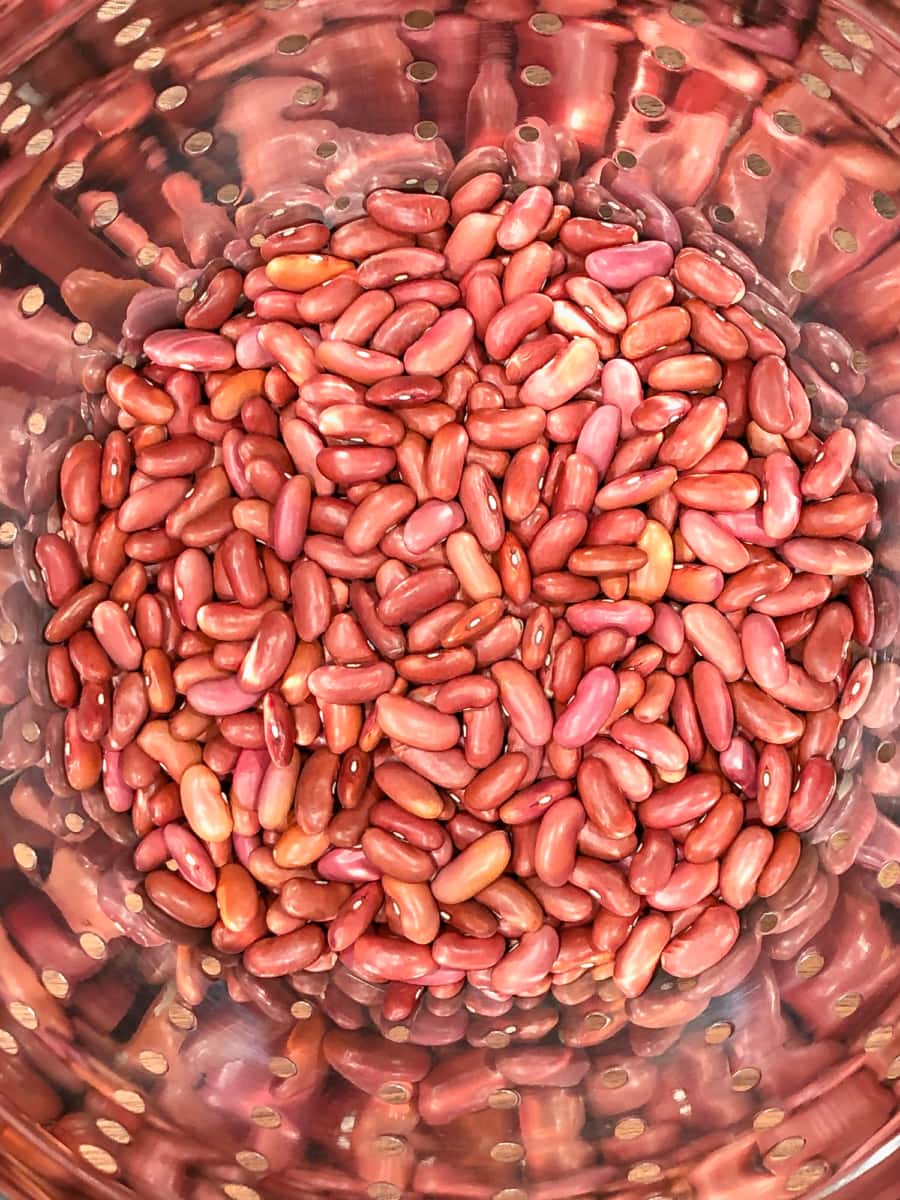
column 171, row 97
column 309, row 94
column 419, row 18
column 294, row 43
column 31, row 301
column 421, row 71
column 649, row 106
column 536, row 76
column 887, row 749
column 884, row 205
column 546, row 23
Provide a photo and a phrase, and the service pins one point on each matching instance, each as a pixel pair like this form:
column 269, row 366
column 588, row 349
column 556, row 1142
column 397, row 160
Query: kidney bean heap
column 462, row 596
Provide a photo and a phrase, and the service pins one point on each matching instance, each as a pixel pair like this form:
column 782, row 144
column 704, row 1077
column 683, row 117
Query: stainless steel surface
column 136, row 141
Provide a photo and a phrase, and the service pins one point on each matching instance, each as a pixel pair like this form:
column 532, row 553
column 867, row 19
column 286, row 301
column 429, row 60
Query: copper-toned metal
column 139, row 141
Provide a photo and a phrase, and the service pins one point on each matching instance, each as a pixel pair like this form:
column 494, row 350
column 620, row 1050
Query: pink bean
column 442, row 346
column 589, row 708
column 621, row 267
column 621, row 386
column 599, row 437
column 763, row 651
column 567, row 373
column 432, row 523
column 781, row 496
column 526, row 218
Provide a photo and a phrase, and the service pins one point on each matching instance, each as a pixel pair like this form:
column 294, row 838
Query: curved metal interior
column 137, row 137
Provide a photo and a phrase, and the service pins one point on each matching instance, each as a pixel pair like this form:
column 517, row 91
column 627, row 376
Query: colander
column 138, row 139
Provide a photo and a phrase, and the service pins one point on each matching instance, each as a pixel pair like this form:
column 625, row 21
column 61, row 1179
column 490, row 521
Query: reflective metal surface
column 137, row 140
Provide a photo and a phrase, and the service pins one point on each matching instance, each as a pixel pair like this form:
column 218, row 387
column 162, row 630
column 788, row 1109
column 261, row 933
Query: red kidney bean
column 274, row 956
column 557, row 838
column 763, row 651
column 567, row 373
column 478, row 866
column 603, row 799
column 193, row 861
column 711, row 837
column 774, row 778
column 606, row 884
column 416, row 724
column 179, row 900
column 803, row 592
column 524, row 700
column 812, row 794
column 824, row 556
column 59, row 567
column 527, row 963
column 688, row 884
column 417, row 595
column 116, row 635
column 780, row 864
column 827, row 644
column 512, row 322
column 743, row 864
column 724, row 491
column 637, row 959
column 681, row 802
column 769, row 395
column 657, row 742
column 704, row 944
column 653, row 863
column 204, row 805
column 237, row 897
column 714, row 706
column 764, row 717
column 588, row 709
column 393, row 857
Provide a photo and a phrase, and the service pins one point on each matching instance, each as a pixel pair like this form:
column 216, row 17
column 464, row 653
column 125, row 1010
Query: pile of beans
column 464, row 597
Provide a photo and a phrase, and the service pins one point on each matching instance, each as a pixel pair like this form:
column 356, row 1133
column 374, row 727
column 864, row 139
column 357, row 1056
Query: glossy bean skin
column 812, row 795
column 652, row 865
column 704, row 944
column 637, row 959
column 688, row 884
column 478, row 866
column 714, row 834
column 680, row 802
column 469, row 572
column 557, row 841
column 743, row 864
column 181, row 901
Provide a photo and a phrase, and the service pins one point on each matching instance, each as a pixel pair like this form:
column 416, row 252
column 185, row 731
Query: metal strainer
column 137, row 138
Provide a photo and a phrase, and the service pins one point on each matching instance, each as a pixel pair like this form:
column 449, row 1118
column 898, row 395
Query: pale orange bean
column 477, row 577
column 416, row 724
column 478, row 866
column 205, row 807
column 649, row 582
column 417, row 914
column 300, row 272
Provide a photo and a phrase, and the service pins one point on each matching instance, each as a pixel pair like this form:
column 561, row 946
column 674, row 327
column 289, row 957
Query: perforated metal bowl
column 136, row 140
